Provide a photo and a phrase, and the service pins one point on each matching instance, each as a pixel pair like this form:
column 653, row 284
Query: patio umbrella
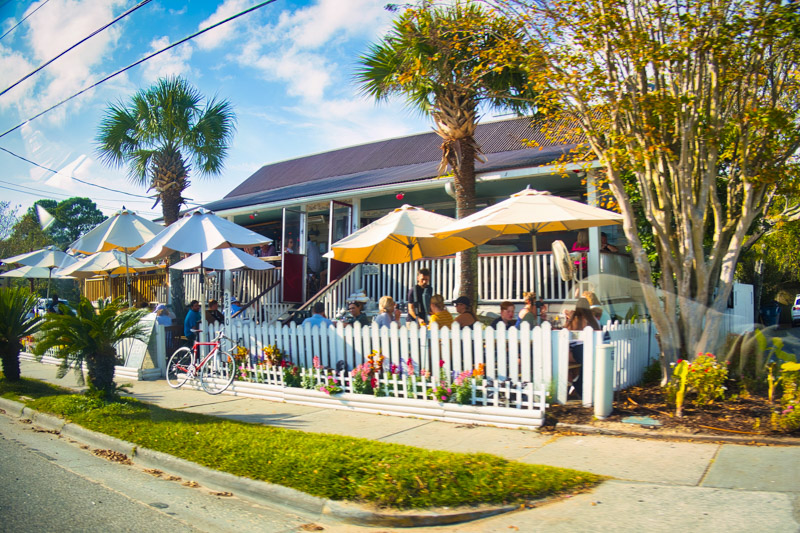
column 108, row 263
column 531, row 212
column 125, row 231
column 404, row 235
column 223, row 259
column 199, row 232
column 48, row 257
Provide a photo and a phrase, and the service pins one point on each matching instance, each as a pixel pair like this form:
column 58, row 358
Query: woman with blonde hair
column 439, row 313
column 388, row 312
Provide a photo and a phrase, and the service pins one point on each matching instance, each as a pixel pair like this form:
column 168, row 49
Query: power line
column 24, row 18
column 95, row 32
column 34, row 163
column 142, row 60
column 66, row 196
column 43, row 191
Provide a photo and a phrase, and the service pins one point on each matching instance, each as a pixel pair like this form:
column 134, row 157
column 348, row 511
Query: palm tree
column 160, row 135
column 17, row 321
column 447, row 62
column 89, row 337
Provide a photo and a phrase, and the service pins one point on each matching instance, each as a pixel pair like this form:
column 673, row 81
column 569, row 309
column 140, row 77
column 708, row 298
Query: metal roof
column 401, row 160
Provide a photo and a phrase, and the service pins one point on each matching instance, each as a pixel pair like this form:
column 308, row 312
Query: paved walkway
column 657, row 486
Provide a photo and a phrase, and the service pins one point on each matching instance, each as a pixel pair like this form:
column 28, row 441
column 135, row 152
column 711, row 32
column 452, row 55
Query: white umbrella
column 29, row 272
column 223, row 259
column 530, row 212
column 125, row 231
column 403, row 235
column 48, row 257
column 199, row 232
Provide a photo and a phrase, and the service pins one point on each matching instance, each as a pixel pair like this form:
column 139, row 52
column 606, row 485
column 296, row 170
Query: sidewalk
column 658, row 485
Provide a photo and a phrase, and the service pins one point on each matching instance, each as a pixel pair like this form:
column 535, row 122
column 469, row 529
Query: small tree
column 699, row 103
column 17, row 321
column 89, row 337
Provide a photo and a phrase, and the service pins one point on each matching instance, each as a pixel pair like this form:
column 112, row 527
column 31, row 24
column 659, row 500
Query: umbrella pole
column 128, row 279
column 202, row 335
column 49, row 275
column 533, row 270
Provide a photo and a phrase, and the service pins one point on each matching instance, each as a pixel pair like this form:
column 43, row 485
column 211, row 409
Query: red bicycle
column 215, row 371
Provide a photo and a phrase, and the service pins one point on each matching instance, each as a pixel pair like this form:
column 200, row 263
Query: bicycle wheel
column 218, row 373
column 180, row 367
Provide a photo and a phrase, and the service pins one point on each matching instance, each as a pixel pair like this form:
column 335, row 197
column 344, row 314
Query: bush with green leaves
column 787, row 417
column 89, row 337
column 17, row 321
column 704, row 378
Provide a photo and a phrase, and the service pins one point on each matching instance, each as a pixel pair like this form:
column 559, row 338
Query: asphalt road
column 50, row 484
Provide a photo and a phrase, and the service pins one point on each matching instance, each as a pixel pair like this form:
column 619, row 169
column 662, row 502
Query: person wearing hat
column 162, row 315
column 465, row 317
column 235, row 307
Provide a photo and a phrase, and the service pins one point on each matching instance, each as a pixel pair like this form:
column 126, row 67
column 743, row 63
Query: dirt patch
column 742, row 416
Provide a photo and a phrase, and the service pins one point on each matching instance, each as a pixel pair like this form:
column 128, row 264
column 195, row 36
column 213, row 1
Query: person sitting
column 318, row 317
column 439, row 313
column 162, row 315
column 235, row 308
column 213, row 314
column 582, row 246
column 605, row 246
column 581, row 318
column 534, row 310
column 465, row 318
column 506, row 316
column 191, row 321
column 597, row 310
column 356, row 315
column 53, row 307
column 388, row 312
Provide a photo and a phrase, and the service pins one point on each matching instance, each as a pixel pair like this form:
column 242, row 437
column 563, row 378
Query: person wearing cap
column 162, row 315
column 465, row 318
column 235, row 307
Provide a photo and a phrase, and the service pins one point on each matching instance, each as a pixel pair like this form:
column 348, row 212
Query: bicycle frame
column 216, row 343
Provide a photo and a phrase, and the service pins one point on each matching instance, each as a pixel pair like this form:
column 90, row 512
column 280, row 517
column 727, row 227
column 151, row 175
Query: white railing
column 335, row 297
column 500, row 277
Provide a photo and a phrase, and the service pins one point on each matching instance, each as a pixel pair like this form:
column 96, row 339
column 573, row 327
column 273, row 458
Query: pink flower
column 444, row 398
column 441, row 363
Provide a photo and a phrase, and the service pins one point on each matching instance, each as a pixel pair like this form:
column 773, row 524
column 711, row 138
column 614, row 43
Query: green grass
column 329, row 466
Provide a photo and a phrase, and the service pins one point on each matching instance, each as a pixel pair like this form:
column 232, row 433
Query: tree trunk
column 9, row 355
column 758, row 285
column 101, row 371
column 464, row 184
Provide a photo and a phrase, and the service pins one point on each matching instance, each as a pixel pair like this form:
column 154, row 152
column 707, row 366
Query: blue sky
column 286, row 68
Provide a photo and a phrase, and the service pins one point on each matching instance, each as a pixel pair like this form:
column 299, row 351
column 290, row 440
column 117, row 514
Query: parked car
column 796, row 311
column 44, row 303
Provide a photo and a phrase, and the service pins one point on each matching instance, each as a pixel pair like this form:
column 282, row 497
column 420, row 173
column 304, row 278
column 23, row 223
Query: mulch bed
column 744, row 417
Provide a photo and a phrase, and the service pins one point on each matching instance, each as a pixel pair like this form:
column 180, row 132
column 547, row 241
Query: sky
column 287, row 68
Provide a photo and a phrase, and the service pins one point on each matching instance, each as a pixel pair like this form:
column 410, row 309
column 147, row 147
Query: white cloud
column 224, row 33
column 315, row 26
column 173, row 62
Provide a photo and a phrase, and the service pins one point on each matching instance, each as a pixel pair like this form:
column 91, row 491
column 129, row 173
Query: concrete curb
column 250, row 489
column 659, row 434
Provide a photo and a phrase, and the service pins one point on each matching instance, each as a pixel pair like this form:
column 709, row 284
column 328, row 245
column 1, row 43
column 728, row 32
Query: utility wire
column 34, row 163
column 142, row 60
column 95, row 32
column 23, row 19
column 53, row 194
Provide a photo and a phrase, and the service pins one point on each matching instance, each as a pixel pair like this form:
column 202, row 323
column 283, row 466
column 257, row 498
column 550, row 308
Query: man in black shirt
column 507, row 311
column 419, row 298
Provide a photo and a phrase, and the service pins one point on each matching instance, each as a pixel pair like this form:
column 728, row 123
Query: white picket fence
column 519, row 357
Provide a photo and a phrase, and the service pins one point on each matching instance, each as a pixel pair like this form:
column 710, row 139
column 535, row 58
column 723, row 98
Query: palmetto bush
column 17, row 321
column 89, row 337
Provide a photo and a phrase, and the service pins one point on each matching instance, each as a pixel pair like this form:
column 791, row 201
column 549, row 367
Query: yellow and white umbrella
column 405, row 234
column 125, row 231
column 48, row 257
column 108, row 263
column 528, row 212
